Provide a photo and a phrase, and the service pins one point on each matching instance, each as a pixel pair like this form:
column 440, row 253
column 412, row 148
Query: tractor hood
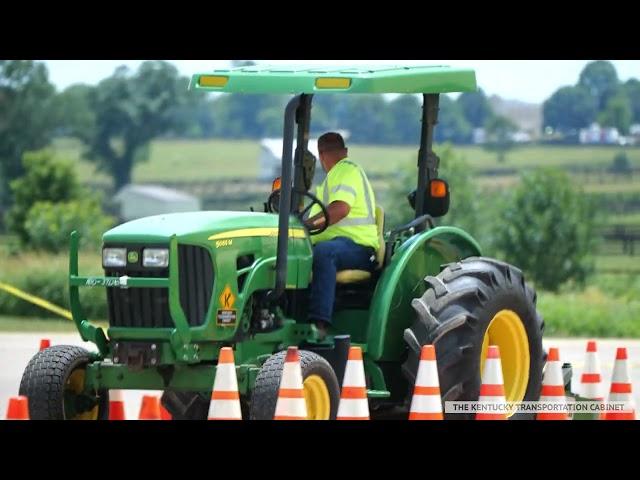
column 191, row 226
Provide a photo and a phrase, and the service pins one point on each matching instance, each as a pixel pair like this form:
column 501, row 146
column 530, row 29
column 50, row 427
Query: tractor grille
column 149, row 307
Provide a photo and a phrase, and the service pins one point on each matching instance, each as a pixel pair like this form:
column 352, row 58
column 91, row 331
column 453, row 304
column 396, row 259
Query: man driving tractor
column 351, row 240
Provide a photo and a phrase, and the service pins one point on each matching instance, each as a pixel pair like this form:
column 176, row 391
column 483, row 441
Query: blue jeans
column 329, row 257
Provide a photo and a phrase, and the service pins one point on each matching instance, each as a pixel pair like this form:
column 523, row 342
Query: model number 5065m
column 224, row 243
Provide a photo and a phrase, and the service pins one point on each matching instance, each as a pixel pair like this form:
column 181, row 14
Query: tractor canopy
column 317, row 80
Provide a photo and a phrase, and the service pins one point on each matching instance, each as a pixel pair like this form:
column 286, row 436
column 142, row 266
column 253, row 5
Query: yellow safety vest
column 347, row 182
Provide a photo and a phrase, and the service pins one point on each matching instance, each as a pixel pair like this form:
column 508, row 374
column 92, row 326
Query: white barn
column 270, row 159
column 137, row 201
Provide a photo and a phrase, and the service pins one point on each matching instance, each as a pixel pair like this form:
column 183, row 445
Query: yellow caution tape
column 40, row 302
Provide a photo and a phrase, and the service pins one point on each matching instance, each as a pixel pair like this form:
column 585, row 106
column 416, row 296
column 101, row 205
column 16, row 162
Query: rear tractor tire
column 470, row 305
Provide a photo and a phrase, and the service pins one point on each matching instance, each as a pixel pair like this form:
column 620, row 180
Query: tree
column 73, row 113
column 130, row 111
column 632, row 89
column 600, row 79
column 45, row 180
column 49, row 225
column 569, row 108
column 469, row 209
column 248, row 116
column 617, row 113
column 26, row 121
column 621, row 164
column 404, row 115
column 499, row 136
column 452, row 125
column 547, row 228
column 475, row 107
column 368, row 119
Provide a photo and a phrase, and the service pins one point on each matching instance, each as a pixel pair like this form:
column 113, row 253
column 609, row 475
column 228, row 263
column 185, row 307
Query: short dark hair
column 331, row 141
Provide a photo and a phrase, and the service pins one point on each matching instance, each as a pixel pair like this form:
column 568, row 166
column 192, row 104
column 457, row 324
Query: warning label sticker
column 227, row 299
column 226, row 318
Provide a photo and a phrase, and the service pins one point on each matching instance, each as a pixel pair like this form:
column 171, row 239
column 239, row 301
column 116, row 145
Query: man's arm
column 337, row 211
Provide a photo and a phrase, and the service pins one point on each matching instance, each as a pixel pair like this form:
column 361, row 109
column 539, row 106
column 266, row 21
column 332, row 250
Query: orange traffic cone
column 621, row 389
column 291, row 404
column 150, row 408
column 492, row 388
column 353, row 399
column 225, row 399
column 590, row 379
column 164, row 413
column 553, row 388
column 18, row 408
column 45, row 343
column 426, row 403
column 116, row 405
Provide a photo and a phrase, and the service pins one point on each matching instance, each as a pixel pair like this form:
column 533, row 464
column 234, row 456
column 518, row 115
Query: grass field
column 31, row 324
column 189, row 160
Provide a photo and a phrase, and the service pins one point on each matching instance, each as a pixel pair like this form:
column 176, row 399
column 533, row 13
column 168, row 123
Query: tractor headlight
column 155, row 257
column 114, row 257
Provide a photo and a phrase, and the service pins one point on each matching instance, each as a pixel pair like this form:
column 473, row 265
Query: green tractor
column 182, row 286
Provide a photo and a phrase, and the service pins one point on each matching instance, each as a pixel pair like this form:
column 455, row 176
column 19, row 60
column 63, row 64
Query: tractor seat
column 345, row 277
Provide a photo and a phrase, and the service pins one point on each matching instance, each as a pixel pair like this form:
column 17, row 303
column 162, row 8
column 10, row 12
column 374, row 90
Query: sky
column 527, row 80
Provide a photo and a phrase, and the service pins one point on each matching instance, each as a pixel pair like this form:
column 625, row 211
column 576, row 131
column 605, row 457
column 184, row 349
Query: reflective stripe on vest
column 370, row 219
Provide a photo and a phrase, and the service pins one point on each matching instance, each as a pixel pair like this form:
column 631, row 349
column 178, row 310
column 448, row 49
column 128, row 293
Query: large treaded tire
column 454, row 314
column 265, row 392
column 43, row 382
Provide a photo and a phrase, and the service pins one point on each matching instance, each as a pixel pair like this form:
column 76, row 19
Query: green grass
column 187, row 160
column 589, row 313
column 621, row 263
column 32, row 324
column 632, row 219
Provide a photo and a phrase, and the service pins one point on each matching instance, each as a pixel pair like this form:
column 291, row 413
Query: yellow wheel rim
column 75, row 385
column 506, row 330
column 316, row 396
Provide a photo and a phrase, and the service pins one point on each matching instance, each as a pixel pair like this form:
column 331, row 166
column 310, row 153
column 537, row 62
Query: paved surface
column 16, row 349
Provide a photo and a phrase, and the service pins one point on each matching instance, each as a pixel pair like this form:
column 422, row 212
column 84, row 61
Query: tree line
column 598, row 96
column 116, row 119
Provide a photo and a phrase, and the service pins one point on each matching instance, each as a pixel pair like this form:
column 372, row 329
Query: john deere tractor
column 182, row 286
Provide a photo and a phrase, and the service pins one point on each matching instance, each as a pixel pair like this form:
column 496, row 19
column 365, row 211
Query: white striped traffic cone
column 553, row 388
column 591, row 379
column 353, row 398
column 492, row 388
column 116, row 405
column 225, row 399
column 426, row 403
column 621, row 389
column 291, row 404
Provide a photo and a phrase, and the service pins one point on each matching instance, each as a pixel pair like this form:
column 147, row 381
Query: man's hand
column 337, row 211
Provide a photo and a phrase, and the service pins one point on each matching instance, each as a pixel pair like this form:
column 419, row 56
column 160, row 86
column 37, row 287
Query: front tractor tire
column 319, row 381
column 54, row 384
column 470, row 305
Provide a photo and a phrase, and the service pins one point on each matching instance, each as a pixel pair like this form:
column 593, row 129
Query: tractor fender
column 403, row 280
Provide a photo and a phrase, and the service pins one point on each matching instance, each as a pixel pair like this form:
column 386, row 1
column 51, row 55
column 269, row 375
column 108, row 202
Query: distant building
column 479, row 136
column 270, row 157
column 137, row 201
column 595, row 134
column 521, row 137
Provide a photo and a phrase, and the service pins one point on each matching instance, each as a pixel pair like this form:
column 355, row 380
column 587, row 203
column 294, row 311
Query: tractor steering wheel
column 273, row 206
